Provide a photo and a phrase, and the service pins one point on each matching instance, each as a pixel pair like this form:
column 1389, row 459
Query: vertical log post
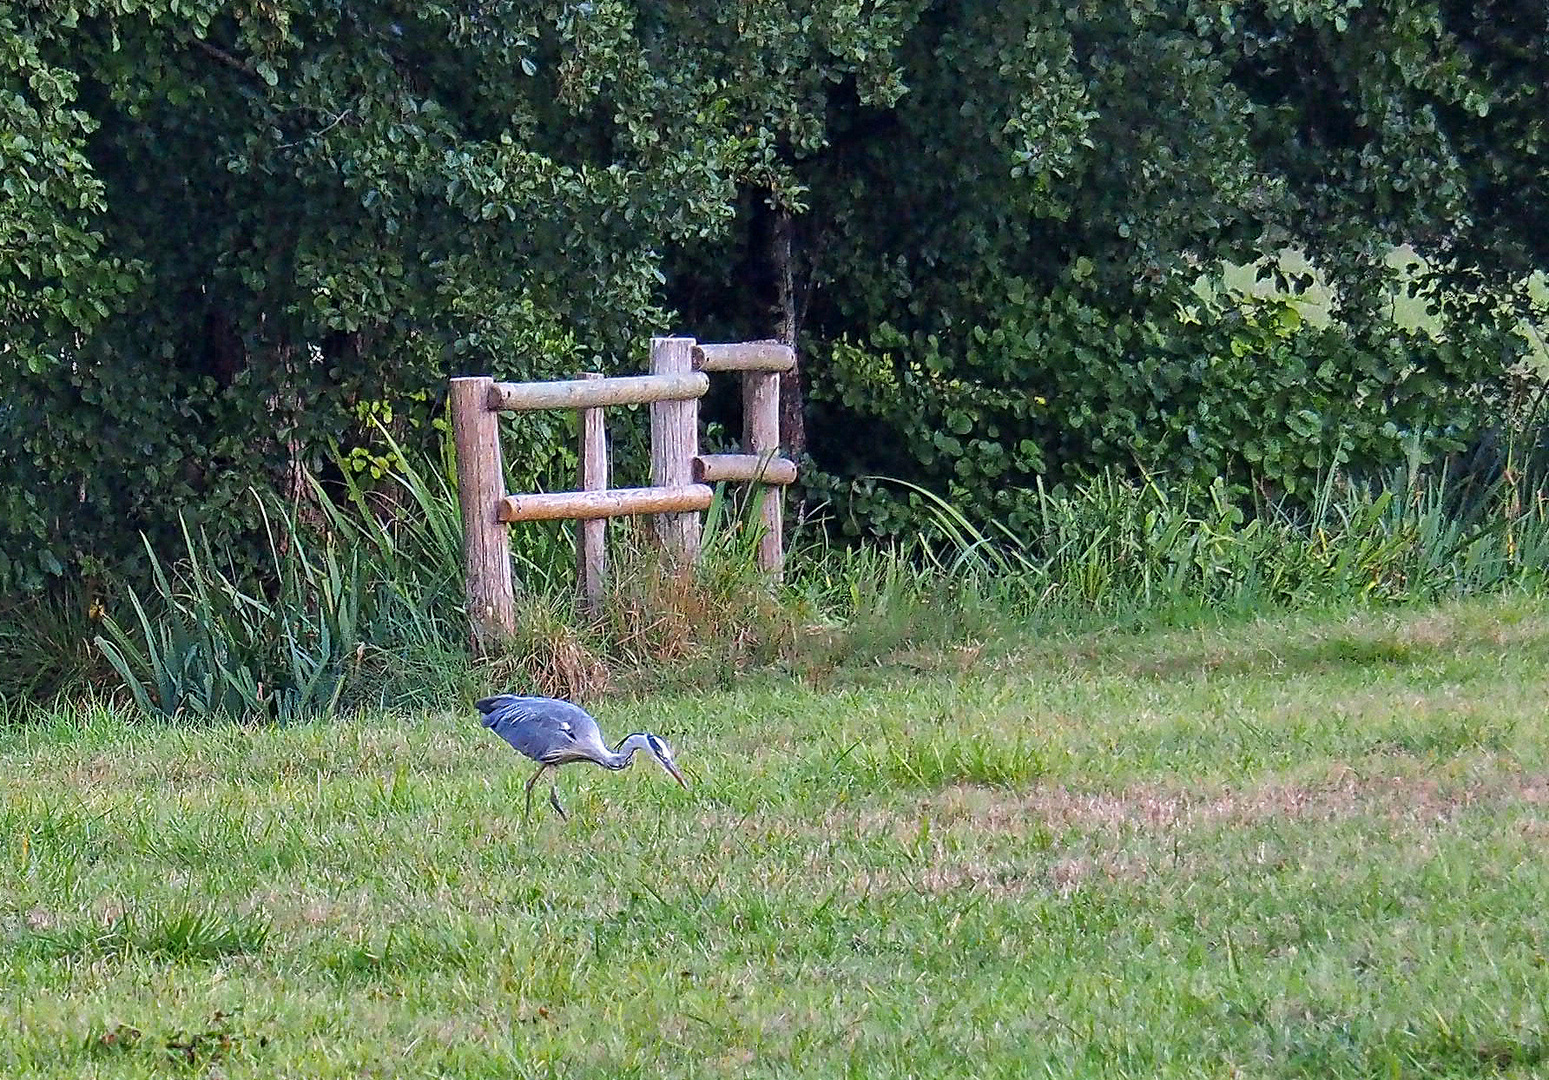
column 480, row 487
column 591, row 534
column 674, row 444
column 761, row 436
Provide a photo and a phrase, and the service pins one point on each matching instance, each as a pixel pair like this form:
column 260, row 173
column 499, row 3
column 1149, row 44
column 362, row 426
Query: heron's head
column 658, row 749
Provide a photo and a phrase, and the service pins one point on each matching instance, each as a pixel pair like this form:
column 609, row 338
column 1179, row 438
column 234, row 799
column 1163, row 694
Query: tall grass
column 407, row 533
column 212, row 643
column 363, row 604
column 1115, row 545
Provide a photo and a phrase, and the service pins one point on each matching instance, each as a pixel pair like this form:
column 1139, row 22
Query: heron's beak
column 677, row 775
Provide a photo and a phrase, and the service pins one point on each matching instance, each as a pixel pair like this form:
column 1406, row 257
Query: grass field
column 1295, row 847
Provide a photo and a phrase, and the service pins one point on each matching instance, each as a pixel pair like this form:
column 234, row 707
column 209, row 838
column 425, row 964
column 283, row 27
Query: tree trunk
column 793, row 426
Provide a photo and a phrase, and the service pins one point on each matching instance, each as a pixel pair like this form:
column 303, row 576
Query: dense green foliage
column 1006, row 268
column 1063, row 386
column 233, row 233
column 320, row 211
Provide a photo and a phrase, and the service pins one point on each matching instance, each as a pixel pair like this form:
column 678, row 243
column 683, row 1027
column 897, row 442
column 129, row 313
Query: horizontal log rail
column 615, row 502
column 744, row 468
column 591, row 393
column 745, row 356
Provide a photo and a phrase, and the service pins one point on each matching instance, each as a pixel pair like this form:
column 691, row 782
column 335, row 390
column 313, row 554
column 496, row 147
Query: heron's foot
column 554, row 802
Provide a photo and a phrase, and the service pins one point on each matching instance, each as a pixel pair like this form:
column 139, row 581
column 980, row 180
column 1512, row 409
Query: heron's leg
column 527, row 814
column 554, row 795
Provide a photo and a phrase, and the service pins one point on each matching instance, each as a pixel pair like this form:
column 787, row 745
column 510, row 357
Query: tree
column 256, row 224
column 1004, row 265
column 237, row 232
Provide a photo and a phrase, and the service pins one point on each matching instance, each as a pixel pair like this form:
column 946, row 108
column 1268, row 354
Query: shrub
column 1060, row 388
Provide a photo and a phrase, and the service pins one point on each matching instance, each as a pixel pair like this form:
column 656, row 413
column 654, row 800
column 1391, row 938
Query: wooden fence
column 681, row 477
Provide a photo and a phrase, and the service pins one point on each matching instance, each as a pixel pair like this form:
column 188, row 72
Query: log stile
column 680, row 477
column 760, row 363
column 487, row 509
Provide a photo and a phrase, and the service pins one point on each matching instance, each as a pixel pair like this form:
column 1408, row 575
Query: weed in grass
column 193, row 1052
column 199, row 1050
column 119, row 1039
column 395, row 950
column 178, row 935
column 934, row 761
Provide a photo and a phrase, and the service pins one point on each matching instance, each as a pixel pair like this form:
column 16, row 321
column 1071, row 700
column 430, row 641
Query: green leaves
column 224, row 227
column 1230, row 390
column 55, row 283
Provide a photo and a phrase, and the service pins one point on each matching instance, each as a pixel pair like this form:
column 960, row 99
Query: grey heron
column 554, row 733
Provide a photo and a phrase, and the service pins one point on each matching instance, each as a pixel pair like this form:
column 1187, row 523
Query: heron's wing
column 545, row 729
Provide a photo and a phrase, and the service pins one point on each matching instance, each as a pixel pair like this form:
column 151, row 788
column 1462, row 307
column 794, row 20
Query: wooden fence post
column 480, row 487
column 674, row 445
column 591, row 535
column 761, row 436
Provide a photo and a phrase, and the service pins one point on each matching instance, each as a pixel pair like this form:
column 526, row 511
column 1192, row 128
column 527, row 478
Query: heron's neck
column 624, row 753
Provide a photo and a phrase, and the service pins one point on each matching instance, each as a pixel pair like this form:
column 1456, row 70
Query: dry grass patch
column 1403, row 793
column 1388, row 788
column 1369, row 640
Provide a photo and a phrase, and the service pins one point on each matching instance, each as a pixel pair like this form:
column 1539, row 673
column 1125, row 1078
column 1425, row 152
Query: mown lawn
column 1298, row 847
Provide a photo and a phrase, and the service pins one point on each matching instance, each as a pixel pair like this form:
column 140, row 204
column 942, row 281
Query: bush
column 1059, row 388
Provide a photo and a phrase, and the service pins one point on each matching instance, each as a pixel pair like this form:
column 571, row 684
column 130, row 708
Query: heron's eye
column 658, row 747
